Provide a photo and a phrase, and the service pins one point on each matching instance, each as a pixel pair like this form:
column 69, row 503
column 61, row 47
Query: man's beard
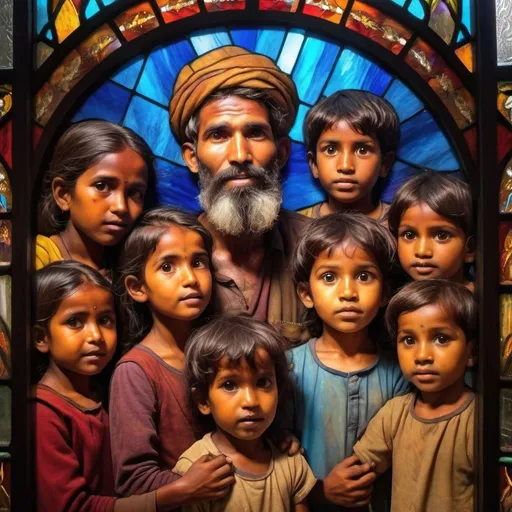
column 249, row 210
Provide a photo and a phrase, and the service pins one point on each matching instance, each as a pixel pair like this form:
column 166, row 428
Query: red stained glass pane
column 330, row 10
column 447, row 85
column 173, row 10
column 471, row 136
column 136, row 21
column 6, row 142
column 224, row 5
column 279, row 5
column 37, row 131
column 505, row 100
column 372, row 23
column 504, row 142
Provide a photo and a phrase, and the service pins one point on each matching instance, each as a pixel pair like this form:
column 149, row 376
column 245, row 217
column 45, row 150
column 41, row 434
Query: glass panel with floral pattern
column 136, row 21
column 6, row 34
column 279, row 5
column 330, row 10
column 504, row 31
column 173, row 10
column 441, row 19
column 506, row 335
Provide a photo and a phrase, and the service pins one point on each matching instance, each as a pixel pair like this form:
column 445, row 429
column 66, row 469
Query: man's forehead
column 232, row 110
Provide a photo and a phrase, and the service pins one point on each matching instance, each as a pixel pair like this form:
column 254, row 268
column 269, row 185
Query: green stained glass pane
column 5, row 416
column 5, row 34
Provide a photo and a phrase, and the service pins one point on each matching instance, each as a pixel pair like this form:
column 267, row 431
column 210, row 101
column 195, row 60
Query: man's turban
column 227, row 67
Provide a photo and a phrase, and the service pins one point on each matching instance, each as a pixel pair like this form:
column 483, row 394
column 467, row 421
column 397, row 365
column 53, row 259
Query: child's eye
column 365, row 276
column 136, row 194
column 408, row 341
column 73, row 322
column 101, row 186
column 408, row 235
column 330, row 150
column 363, row 150
column 329, row 278
column 441, row 339
column 107, row 321
column 167, row 267
column 229, row 386
column 443, row 236
column 199, row 264
column 264, row 383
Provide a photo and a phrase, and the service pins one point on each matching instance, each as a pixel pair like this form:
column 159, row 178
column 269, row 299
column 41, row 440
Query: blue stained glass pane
column 405, row 102
column 460, row 37
column 162, row 68
column 416, row 8
column 466, row 15
column 177, row 186
column 129, row 73
column 399, row 2
column 313, row 67
column 291, row 49
column 91, row 9
column 424, row 144
column 108, row 2
column 353, row 71
column 152, row 122
column 109, row 102
column 207, row 40
column 42, row 14
column 300, row 189
column 296, row 131
column 265, row 41
column 399, row 174
column 49, row 35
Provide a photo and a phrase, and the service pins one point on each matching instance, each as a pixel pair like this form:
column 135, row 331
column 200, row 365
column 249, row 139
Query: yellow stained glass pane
column 466, row 55
column 505, row 100
column 330, row 10
column 67, row 20
column 5, row 99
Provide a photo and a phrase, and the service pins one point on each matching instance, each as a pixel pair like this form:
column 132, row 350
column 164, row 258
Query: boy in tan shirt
column 427, row 436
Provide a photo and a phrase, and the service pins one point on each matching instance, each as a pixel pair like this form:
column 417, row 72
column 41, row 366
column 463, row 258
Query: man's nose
column 239, row 150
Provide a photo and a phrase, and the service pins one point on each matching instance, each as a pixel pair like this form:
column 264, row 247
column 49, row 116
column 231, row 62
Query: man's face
column 239, row 162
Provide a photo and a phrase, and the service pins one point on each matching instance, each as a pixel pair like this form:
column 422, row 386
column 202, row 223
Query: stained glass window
column 5, row 416
column 504, row 31
column 6, row 34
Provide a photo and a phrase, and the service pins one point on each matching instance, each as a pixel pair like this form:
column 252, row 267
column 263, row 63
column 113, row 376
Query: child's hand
column 350, row 483
column 289, row 443
column 209, row 478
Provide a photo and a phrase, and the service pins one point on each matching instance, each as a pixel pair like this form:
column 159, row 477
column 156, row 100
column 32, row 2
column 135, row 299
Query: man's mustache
column 236, row 171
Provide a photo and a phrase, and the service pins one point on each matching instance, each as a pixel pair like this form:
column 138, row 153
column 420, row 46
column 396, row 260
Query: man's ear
column 312, row 164
column 305, row 295
column 136, row 289
column 202, row 404
column 387, row 163
column 41, row 339
column 469, row 255
column 61, row 194
column 284, row 148
column 188, row 152
column 471, row 354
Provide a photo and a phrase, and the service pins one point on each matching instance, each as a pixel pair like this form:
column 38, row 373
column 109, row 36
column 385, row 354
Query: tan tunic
column 287, row 482
column 432, row 460
column 313, row 212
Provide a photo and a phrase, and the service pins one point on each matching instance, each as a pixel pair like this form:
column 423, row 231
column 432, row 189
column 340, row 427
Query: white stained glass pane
column 504, row 31
column 6, row 34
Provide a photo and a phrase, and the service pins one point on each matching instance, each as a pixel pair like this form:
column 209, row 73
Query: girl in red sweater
column 75, row 331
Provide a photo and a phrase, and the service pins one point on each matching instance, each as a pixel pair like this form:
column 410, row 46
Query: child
column 431, row 217
column 75, row 329
column 100, row 179
column 351, row 139
column 341, row 377
column 236, row 369
column 165, row 285
column 427, row 436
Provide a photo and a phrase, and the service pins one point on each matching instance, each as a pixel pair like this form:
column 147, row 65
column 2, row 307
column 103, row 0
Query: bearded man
column 231, row 111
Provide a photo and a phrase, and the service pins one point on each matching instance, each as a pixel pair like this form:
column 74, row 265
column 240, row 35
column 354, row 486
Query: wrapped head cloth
column 228, row 67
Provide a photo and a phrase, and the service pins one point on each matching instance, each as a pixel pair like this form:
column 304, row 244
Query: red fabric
column 73, row 460
column 151, row 422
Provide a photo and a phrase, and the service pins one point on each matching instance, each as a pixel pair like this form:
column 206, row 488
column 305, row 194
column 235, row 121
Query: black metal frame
column 484, row 184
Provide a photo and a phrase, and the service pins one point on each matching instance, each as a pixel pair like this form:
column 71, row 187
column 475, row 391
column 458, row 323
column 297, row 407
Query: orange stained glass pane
column 372, row 23
column 506, row 334
column 505, row 100
column 224, row 5
column 5, row 242
column 279, row 5
column 505, row 241
column 5, row 99
column 506, row 194
column 447, row 85
column 173, row 10
column 466, row 55
column 136, row 21
column 67, row 20
column 330, row 10
column 5, row 191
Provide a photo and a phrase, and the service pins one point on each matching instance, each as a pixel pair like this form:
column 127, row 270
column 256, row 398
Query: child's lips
column 344, row 184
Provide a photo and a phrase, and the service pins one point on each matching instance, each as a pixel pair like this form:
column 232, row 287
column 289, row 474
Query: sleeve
column 133, row 433
column 182, row 466
column 60, row 482
column 376, row 444
column 304, row 480
column 46, row 252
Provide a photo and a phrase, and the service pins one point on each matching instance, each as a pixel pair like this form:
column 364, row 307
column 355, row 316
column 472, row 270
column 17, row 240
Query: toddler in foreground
column 427, row 436
column 236, row 369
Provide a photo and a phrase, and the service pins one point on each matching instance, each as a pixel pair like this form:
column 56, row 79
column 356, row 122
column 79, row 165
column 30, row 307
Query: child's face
column 243, row 400
column 345, row 288
column 82, row 334
column 430, row 246
column 107, row 198
column 348, row 163
column 177, row 277
column 432, row 349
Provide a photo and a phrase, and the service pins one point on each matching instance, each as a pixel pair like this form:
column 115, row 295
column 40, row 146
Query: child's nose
column 250, row 397
column 345, row 162
column 423, row 247
column 348, row 289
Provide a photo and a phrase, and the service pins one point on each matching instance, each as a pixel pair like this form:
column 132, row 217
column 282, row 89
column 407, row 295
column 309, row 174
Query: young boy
column 431, row 217
column 427, row 436
column 341, row 378
column 236, row 369
column 351, row 138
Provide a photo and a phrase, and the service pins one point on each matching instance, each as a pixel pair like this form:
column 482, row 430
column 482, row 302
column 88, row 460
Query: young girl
column 236, row 369
column 75, row 330
column 341, row 378
column 101, row 177
column 165, row 285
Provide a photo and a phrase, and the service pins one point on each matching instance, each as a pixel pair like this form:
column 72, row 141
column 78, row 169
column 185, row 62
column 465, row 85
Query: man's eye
column 73, row 322
column 408, row 235
column 257, row 132
column 329, row 277
column 217, row 135
column 443, row 236
column 101, row 186
column 167, row 267
column 228, row 386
